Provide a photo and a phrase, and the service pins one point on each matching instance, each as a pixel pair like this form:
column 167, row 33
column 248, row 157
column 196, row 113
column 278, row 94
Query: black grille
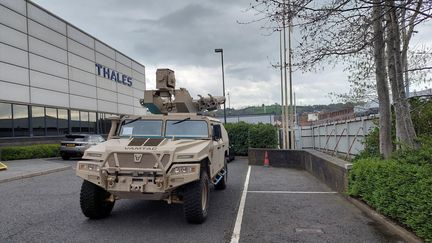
column 153, row 142
column 137, row 142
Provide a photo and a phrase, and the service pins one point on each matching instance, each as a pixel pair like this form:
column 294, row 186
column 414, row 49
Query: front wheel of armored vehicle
column 95, row 201
column 196, row 199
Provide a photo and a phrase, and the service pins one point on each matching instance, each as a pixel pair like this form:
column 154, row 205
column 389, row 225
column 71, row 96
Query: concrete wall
column 328, row 169
column 46, row 61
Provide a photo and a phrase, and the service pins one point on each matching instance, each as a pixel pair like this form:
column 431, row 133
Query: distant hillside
column 276, row 109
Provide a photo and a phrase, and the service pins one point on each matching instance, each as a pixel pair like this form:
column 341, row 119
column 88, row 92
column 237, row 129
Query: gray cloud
column 182, row 35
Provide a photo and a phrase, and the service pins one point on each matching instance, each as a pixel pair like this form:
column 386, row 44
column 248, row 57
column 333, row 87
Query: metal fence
column 340, row 137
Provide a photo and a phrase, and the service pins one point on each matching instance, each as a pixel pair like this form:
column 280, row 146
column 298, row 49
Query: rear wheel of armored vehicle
column 196, row 199
column 222, row 184
column 94, row 201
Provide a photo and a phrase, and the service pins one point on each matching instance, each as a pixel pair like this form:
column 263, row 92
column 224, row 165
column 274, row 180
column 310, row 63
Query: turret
column 166, row 99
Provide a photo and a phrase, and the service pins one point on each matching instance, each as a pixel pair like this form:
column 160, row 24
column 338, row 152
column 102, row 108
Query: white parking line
column 291, row 192
column 237, row 227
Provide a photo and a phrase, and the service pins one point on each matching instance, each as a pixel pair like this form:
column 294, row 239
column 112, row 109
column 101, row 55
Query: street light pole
column 223, row 79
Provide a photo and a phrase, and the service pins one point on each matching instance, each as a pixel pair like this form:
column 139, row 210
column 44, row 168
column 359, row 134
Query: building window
column 75, row 121
column 5, row 120
column 20, row 120
column 92, row 122
column 63, row 121
column 38, row 121
column 84, row 121
column 51, row 121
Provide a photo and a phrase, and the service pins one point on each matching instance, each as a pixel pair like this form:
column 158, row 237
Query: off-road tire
column 93, row 201
column 222, row 184
column 193, row 208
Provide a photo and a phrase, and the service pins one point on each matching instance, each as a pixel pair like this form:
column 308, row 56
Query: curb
column 34, row 174
column 386, row 222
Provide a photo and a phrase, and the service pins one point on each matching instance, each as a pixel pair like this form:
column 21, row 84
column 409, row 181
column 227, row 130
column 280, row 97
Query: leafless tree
column 345, row 31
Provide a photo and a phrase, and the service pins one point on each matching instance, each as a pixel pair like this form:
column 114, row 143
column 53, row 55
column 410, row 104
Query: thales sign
column 113, row 75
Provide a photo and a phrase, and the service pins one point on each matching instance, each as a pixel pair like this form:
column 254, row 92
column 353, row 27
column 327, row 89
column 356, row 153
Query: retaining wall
column 330, row 170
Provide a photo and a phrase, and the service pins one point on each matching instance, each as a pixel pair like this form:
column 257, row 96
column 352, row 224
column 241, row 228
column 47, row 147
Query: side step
column 220, row 175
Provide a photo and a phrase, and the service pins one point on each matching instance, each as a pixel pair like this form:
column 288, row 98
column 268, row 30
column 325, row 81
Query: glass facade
column 38, row 121
column 5, row 120
column 18, row 120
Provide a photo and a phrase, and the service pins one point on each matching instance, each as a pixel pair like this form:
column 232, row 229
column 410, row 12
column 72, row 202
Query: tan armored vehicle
column 172, row 155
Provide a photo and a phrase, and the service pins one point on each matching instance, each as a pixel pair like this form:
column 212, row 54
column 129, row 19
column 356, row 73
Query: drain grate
column 309, row 230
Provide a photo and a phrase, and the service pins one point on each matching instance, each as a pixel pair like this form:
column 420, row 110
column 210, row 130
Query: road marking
column 291, row 192
column 237, row 227
column 309, row 230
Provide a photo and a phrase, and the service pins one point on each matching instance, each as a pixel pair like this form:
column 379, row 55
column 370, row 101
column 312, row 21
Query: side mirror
column 217, row 132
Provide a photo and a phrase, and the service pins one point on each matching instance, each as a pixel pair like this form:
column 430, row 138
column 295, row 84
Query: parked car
column 74, row 145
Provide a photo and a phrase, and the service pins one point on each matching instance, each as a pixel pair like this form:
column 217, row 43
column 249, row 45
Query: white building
column 57, row 79
column 313, row 116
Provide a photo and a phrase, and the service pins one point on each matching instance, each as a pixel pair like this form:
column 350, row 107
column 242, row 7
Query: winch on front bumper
column 138, row 175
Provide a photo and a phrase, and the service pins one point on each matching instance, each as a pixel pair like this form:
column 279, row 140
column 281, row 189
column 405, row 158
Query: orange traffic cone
column 266, row 159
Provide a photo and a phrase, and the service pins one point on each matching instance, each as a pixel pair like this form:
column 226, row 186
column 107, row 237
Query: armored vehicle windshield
column 185, row 128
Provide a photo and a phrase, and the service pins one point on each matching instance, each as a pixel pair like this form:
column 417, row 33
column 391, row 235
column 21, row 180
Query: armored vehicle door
column 218, row 151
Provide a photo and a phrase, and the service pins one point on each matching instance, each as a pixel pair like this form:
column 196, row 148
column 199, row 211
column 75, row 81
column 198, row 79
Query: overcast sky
column 182, row 36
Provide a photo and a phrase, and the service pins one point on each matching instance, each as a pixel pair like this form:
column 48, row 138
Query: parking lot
column 280, row 205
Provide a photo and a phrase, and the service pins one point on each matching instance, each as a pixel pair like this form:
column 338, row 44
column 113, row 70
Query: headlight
column 96, row 155
column 183, row 170
column 88, row 167
column 185, row 156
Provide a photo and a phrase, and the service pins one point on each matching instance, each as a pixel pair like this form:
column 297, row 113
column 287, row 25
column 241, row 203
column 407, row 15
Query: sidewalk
column 20, row 169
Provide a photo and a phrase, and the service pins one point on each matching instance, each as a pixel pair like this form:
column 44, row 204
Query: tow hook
column 116, row 176
column 154, row 177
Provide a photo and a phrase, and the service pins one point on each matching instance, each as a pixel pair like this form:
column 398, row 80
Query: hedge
column 29, row 152
column 244, row 136
column 397, row 189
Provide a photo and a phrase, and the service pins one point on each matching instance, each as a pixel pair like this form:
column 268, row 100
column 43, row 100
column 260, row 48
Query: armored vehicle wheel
column 196, row 199
column 94, row 201
column 222, row 184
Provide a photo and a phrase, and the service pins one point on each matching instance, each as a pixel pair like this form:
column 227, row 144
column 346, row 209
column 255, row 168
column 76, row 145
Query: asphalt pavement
column 281, row 205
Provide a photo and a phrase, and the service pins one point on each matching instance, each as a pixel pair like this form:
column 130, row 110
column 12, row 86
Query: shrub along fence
column 398, row 189
column 244, row 136
column 29, row 152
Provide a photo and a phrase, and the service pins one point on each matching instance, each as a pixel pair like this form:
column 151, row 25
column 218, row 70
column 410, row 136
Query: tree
column 344, row 30
column 381, row 82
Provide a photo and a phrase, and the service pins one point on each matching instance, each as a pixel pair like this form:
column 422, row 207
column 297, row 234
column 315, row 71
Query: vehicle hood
column 197, row 147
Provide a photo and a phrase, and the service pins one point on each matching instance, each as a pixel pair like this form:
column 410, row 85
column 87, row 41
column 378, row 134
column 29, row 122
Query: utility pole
column 285, row 79
column 291, row 120
column 282, row 91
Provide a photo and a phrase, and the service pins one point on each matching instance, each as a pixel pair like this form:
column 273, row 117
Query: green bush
column 420, row 156
column 398, row 189
column 244, row 136
column 29, row 152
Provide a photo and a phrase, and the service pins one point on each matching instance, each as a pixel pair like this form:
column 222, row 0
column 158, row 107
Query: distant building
column 307, row 119
column 253, row 119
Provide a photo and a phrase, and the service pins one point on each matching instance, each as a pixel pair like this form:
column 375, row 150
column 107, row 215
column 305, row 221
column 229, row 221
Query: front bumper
column 73, row 151
column 151, row 184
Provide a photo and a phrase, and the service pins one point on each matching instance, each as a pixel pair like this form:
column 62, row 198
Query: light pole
column 223, row 79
